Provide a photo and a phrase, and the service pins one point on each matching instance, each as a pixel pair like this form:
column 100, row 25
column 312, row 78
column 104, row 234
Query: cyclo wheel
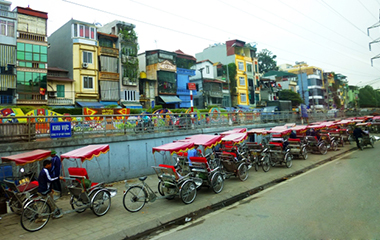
column 288, row 160
column 101, row 202
column 15, row 206
column 371, row 142
column 35, row 215
column 322, row 149
column 134, row 198
column 217, row 182
column 334, row 146
column 266, row 163
column 242, row 172
column 77, row 205
column 188, row 192
column 304, row 153
column 162, row 189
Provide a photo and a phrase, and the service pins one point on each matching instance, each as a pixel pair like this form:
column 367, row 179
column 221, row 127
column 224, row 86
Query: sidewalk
column 118, row 223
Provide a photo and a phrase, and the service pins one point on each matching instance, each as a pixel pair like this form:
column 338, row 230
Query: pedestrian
column 55, row 171
column 44, row 187
column 192, row 153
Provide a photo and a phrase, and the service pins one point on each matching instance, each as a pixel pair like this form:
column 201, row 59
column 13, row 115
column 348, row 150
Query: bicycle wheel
column 243, row 172
column 334, row 146
column 322, row 149
column 288, row 160
column 217, row 182
column 77, row 205
column 35, row 215
column 188, row 192
column 266, row 163
column 101, row 202
column 304, row 153
column 134, row 198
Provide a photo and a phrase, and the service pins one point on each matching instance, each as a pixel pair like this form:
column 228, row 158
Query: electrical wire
column 192, row 35
column 367, row 9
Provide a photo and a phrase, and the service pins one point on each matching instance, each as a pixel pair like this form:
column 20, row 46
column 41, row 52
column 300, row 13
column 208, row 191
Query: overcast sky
column 330, row 34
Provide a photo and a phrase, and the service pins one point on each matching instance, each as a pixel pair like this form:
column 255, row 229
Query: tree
column 232, row 79
column 368, row 97
column 287, row 94
column 266, row 61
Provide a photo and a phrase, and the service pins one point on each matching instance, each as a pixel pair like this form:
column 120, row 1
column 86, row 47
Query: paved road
column 338, row 200
column 119, row 223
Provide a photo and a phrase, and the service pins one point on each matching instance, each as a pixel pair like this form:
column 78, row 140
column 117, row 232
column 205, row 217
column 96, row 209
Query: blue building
column 184, row 63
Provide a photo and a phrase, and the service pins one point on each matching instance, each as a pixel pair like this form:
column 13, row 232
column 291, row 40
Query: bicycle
column 169, row 186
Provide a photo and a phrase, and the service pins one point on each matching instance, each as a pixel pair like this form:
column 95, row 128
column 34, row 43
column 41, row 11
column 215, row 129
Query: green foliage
column 266, row 61
column 368, row 97
column 288, row 94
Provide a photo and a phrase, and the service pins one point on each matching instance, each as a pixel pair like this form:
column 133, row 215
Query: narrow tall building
column 8, row 26
column 31, row 56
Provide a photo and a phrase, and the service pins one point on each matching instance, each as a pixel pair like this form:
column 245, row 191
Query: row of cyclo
column 216, row 158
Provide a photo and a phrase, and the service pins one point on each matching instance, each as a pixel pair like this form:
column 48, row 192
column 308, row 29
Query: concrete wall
column 130, row 156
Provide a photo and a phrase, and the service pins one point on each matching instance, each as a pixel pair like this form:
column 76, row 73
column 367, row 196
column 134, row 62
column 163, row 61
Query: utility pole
column 374, row 41
column 229, row 90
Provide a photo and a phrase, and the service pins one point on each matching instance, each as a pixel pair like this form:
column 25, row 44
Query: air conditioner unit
column 85, row 65
column 52, row 94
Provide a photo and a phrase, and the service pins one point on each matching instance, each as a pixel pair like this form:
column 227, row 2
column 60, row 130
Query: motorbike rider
column 358, row 133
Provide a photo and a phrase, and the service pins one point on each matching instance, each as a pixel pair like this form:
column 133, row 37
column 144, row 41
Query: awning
column 106, row 104
column 90, row 104
column 170, row 99
column 87, row 153
column 61, row 106
column 131, row 104
column 28, row 157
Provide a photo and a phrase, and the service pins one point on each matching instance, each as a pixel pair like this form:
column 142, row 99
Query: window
column 83, row 31
column 207, row 69
column 87, row 57
column 242, row 81
column 249, row 67
column 88, row 83
column 60, row 90
column 31, row 52
column 243, row 97
column 7, row 28
column 129, row 95
column 241, row 66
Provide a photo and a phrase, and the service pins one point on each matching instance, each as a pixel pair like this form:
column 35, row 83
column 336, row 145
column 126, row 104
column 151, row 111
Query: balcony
column 8, row 14
column 31, row 98
column 109, row 51
column 60, row 101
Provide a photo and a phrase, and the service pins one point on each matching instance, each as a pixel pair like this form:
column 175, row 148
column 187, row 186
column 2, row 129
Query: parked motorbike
column 144, row 125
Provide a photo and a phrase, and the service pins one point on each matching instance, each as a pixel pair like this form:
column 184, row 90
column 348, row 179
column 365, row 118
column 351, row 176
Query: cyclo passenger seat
column 80, row 174
column 200, row 164
column 171, row 171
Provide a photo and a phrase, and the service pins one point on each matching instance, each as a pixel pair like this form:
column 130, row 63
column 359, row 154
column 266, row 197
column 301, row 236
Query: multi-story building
column 60, row 88
column 311, row 85
column 244, row 92
column 126, row 45
column 282, row 80
column 158, row 85
column 32, row 56
column 74, row 46
column 8, row 26
column 184, row 72
column 208, row 83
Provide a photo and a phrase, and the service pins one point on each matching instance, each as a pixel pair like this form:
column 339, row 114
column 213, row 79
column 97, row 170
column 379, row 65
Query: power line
column 367, row 9
column 332, row 9
column 332, row 30
column 192, row 35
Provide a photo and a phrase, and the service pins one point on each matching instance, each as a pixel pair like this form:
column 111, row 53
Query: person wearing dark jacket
column 56, row 171
column 358, row 133
column 44, row 187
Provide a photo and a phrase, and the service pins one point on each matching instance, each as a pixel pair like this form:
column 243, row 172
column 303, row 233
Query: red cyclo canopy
column 28, row 157
column 204, row 140
column 86, row 153
column 235, row 137
column 174, row 147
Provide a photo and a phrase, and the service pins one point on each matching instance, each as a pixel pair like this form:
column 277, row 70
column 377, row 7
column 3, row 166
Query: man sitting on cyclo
column 44, row 188
column 358, row 133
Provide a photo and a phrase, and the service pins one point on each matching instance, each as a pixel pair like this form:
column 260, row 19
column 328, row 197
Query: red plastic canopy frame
column 174, row 147
column 28, row 157
column 86, row 153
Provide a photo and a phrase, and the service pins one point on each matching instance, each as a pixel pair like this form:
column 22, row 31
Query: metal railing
column 30, row 128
